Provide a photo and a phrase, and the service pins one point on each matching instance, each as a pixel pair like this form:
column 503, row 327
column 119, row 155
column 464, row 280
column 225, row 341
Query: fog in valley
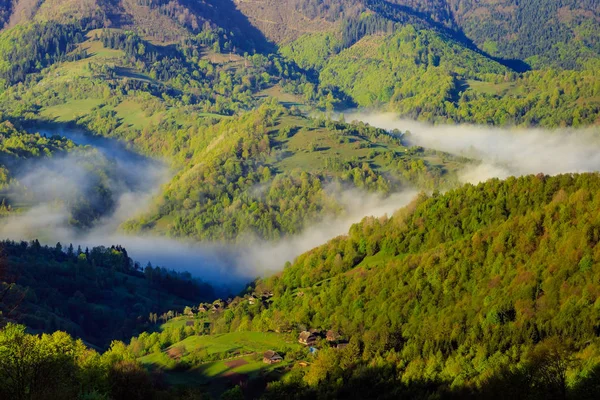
column 133, row 181
column 55, row 184
column 500, row 152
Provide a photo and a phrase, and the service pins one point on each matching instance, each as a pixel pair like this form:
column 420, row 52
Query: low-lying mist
column 500, row 152
column 60, row 182
column 136, row 180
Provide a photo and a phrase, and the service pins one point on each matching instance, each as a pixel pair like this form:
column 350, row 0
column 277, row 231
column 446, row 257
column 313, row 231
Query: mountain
column 467, row 294
column 271, row 173
column 471, row 293
column 545, row 32
column 97, row 294
column 163, row 21
column 541, row 33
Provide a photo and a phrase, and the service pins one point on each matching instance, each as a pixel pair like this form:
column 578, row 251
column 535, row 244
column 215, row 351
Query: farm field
column 222, row 360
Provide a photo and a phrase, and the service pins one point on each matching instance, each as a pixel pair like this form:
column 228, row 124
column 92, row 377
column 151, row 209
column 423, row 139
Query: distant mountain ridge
column 540, row 32
column 160, row 20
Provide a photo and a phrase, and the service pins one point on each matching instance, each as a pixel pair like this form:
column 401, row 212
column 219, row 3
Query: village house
column 307, row 338
column 332, row 336
column 202, row 308
column 271, row 357
column 251, row 299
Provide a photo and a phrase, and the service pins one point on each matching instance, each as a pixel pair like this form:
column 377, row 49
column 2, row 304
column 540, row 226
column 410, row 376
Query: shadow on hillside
column 111, row 147
column 383, row 383
column 407, row 15
column 225, row 14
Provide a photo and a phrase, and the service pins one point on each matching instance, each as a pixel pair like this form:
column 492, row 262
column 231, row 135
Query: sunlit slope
column 477, row 284
column 424, row 75
column 269, row 173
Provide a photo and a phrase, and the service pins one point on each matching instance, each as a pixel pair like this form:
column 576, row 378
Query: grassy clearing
column 310, row 148
column 242, row 342
column 498, row 89
column 70, row 110
column 286, row 99
column 233, row 357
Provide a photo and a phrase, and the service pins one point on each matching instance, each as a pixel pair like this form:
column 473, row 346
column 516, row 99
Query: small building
column 189, row 323
column 251, row 299
column 271, row 357
column 341, row 346
column 202, row 309
column 307, row 338
column 332, row 336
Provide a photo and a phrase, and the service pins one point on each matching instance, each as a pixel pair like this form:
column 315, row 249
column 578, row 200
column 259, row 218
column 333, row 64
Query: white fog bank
column 503, row 152
column 55, row 183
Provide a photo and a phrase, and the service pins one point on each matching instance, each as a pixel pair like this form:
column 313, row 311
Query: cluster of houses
column 309, row 338
column 219, row 305
column 214, row 307
column 255, row 298
column 312, row 336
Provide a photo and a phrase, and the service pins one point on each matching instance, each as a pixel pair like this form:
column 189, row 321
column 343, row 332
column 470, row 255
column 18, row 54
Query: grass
column 70, row 110
column 310, row 148
column 221, row 373
column 498, row 89
column 286, row 99
column 132, row 115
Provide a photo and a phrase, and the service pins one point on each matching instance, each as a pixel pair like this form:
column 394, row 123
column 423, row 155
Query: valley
column 299, row 199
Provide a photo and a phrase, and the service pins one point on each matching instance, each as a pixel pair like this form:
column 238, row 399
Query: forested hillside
column 423, row 75
column 542, row 32
column 559, row 33
column 270, row 173
column 97, row 294
column 470, row 293
column 203, row 134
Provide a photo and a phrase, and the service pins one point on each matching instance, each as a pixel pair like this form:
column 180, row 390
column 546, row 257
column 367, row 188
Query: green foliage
column 243, row 177
column 31, row 47
column 486, row 286
column 425, row 75
column 19, row 144
column 97, row 294
column 311, row 51
column 57, row 366
column 542, row 32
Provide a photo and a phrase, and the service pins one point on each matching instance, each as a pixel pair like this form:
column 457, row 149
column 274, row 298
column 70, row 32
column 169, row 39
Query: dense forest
column 470, row 293
column 213, row 125
column 97, row 294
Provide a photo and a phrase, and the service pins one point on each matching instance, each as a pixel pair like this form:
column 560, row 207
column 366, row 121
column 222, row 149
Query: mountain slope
column 162, row 21
column 425, row 75
column 464, row 292
column 270, row 173
column 98, row 295
column 542, row 32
